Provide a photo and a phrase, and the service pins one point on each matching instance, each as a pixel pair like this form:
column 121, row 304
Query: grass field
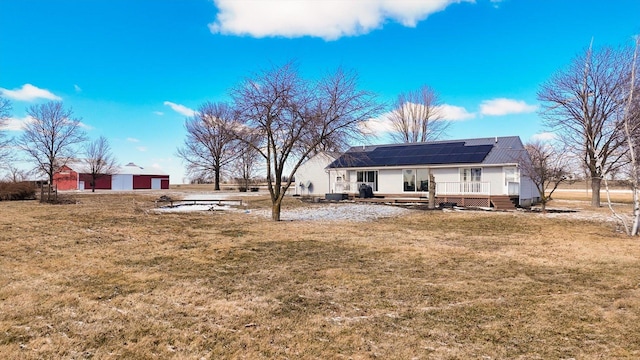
column 106, row 278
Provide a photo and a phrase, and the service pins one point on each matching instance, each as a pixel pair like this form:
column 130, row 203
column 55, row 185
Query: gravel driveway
column 338, row 212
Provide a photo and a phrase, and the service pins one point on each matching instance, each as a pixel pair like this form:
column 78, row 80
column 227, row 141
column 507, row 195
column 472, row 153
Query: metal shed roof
column 82, row 167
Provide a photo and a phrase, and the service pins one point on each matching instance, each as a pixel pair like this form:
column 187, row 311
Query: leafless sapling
column 631, row 126
column 546, row 167
column 51, row 138
column 99, row 160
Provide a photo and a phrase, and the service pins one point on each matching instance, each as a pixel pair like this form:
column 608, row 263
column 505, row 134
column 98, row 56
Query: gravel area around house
column 338, row 212
column 361, row 212
column 328, row 212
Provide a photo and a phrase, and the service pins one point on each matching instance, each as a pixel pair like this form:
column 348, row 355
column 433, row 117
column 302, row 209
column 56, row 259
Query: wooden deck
column 498, row 202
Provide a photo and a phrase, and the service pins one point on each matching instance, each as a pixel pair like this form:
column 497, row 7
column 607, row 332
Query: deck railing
column 463, row 188
column 350, row 187
column 442, row 188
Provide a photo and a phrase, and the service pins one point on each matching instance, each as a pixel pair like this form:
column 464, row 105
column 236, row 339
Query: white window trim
column 462, row 170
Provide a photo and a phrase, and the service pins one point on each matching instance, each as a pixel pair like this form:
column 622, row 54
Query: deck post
column 432, row 191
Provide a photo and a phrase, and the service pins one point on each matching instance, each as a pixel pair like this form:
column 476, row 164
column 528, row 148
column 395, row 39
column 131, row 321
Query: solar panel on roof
column 414, row 154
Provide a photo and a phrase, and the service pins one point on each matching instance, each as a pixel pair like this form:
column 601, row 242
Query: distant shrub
column 17, row 190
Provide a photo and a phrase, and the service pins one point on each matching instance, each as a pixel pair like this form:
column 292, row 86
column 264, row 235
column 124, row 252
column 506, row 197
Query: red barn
column 129, row 177
column 66, row 178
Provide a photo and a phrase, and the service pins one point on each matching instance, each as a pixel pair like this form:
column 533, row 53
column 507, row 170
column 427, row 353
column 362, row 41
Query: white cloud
column 29, row 92
column 159, row 113
column 17, row 124
column 455, row 113
column 377, row 126
column 382, row 124
column 77, row 88
column 327, row 19
column 544, row 136
column 133, row 140
column 85, row 126
column 142, row 148
column 180, row 109
column 504, row 106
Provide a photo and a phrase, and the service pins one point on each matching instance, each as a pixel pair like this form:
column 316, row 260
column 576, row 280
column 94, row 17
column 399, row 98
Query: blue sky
column 133, row 69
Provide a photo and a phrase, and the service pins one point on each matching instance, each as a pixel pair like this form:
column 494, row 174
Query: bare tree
column 583, row 104
column 245, row 165
column 99, row 160
column 210, row 145
column 50, row 140
column 5, row 142
column 546, row 167
column 292, row 118
column 15, row 174
column 417, row 116
column 631, row 126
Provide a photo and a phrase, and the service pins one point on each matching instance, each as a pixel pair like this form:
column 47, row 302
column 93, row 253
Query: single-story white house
column 312, row 178
column 468, row 172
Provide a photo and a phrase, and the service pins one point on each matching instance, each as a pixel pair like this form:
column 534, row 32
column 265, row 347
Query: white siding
column 446, row 175
column 495, row 177
column 312, row 173
column 122, row 182
column 390, row 181
column 528, row 191
column 333, row 176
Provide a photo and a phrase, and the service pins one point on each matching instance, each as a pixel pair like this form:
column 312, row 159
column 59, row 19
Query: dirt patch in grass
column 106, row 278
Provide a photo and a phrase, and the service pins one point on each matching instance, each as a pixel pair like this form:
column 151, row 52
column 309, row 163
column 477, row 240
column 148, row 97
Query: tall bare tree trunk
column 595, row 191
column 631, row 141
column 50, row 187
column 217, row 178
column 636, row 212
column 275, row 210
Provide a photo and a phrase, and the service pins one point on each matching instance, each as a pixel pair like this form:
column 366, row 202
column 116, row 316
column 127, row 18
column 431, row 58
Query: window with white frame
column 471, row 175
column 409, row 180
column 415, row 180
column 369, row 177
column 422, row 179
column 510, row 175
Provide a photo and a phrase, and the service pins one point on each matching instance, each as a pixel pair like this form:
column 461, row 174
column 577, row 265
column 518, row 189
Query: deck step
column 502, row 203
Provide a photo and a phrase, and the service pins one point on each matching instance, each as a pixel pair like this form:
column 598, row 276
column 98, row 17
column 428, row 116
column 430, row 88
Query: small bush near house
column 22, row 190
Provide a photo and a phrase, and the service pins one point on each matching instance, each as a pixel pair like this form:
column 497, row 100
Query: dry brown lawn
column 584, row 195
column 107, row 279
